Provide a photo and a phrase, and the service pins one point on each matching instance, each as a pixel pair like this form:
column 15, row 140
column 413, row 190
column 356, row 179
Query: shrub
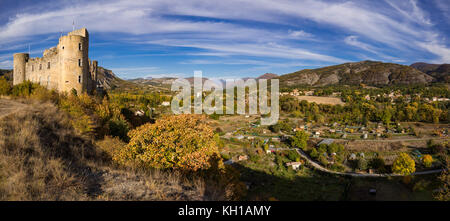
column 225, row 156
column 338, row 167
column 362, row 164
column 181, row 142
column 323, row 160
column 427, row 160
column 314, row 154
column 23, row 89
column 5, row 87
column 293, row 156
column 404, row 165
column 322, row 149
column 119, row 127
column 377, row 163
column 437, row 149
column 110, row 145
column 42, row 94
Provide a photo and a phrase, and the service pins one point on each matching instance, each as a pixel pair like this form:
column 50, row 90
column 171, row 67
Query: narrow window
column 79, row 46
column 63, row 47
column 32, row 67
column 79, row 79
column 40, row 66
column 80, row 63
column 48, row 65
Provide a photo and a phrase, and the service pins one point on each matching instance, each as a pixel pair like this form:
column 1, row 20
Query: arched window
column 80, row 63
column 80, row 47
column 79, row 79
column 48, row 65
column 40, row 66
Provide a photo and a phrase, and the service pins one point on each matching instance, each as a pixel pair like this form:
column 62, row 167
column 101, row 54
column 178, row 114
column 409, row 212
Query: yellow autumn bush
column 404, row 165
column 178, row 141
column 427, row 160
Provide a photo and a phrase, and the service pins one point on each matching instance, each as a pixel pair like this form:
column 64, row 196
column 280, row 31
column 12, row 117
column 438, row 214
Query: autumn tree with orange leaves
column 182, row 142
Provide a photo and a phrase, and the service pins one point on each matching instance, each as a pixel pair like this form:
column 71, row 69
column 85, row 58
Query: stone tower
column 20, row 62
column 65, row 67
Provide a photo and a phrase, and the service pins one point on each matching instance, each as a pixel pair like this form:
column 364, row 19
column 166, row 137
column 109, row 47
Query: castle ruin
column 64, row 68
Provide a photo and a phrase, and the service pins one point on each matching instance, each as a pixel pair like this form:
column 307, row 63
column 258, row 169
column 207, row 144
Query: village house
column 294, row 165
column 336, row 94
column 165, row 103
column 275, row 139
column 242, row 157
column 316, row 134
column 309, row 93
column 139, row 113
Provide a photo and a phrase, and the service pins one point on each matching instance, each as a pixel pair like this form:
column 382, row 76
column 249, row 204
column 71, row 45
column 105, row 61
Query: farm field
column 322, row 100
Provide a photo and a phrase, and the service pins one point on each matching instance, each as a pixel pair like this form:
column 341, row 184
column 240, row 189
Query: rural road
column 9, row 106
column 323, row 169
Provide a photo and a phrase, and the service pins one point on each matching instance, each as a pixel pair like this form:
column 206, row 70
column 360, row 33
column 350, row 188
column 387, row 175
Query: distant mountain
column 153, row 81
column 441, row 72
column 367, row 72
column 108, row 79
column 191, row 80
column 267, row 76
column 425, row 67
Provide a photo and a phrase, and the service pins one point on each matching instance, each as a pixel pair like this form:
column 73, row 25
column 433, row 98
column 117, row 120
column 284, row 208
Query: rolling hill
column 441, row 72
column 366, row 72
column 108, row 79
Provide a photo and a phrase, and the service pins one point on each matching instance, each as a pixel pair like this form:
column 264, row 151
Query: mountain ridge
column 363, row 72
column 441, row 72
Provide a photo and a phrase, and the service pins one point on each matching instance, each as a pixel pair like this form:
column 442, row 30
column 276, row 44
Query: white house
column 294, row 165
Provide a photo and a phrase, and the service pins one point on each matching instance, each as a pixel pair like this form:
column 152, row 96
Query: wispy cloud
column 295, row 31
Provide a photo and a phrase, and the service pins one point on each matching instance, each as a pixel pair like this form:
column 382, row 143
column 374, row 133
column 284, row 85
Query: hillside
column 367, row 72
column 42, row 157
column 108, row 79
column 441, row 72
column 6, row 73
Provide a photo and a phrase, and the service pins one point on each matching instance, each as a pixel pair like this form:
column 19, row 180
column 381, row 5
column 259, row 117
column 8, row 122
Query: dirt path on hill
column 9, row 106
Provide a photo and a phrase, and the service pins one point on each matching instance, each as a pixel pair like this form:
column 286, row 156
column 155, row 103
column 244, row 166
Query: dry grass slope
column 42, row 158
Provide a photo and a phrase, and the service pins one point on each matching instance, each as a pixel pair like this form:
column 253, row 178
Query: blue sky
column 233, row 38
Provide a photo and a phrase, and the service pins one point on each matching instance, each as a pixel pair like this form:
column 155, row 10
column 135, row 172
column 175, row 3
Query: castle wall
column 46, row 70
column 63, row 68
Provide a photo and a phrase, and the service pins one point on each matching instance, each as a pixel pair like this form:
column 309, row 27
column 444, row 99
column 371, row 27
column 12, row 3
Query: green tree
column 300, row 140
column 387, row 115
